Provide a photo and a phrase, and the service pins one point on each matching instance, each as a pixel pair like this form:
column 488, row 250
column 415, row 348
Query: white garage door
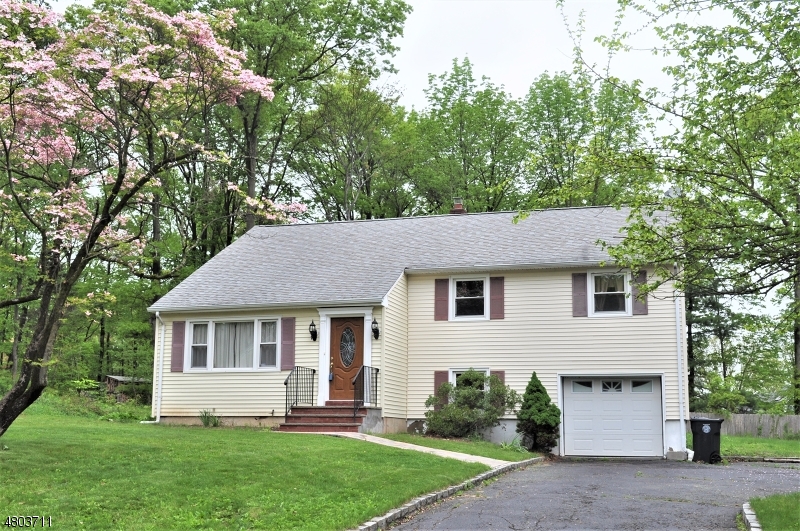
column 611, row 416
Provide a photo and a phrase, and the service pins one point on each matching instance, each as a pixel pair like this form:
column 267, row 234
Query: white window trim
column 256, row 320
column 451, row 299
column 452, row 373
column 590, row 293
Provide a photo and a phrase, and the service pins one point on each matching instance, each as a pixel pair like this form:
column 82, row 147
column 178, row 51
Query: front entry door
column 347, row 354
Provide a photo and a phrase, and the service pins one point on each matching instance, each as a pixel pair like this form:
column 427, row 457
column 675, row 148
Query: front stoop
column 335, row 415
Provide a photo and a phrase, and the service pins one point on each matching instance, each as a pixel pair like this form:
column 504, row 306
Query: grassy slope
column 741, row 445
column 93, row 474
column 482, row 448
column 780, row 512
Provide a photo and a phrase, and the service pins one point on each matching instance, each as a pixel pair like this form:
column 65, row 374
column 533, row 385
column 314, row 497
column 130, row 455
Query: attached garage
column 613, row 416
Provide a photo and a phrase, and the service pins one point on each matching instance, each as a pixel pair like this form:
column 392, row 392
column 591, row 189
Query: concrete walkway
column 494, row 463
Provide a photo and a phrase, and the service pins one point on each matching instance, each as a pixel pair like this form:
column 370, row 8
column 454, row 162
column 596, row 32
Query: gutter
column 679, row 349
column 421, row 270
column 160, row 374
column 261, row 307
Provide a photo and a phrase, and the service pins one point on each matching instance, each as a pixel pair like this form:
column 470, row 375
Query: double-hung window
column 233, row 344
column 470, row 298
column 609, row 294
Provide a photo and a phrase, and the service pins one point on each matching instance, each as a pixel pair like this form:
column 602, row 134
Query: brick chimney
column 458, row 206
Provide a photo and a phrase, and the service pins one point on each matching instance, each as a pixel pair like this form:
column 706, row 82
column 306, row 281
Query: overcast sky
column 512, row 42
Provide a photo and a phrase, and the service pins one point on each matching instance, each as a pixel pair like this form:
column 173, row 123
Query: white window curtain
column 233, row 345
column 268, row 346
column 199, row 345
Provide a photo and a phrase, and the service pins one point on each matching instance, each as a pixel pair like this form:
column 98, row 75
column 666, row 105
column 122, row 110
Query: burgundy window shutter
column 178, row 338
column 497, row 300
column 579, row 300
column 287, row 343
column 499, row 374
column 439, row 378
column 639, row 306
column 442, row 295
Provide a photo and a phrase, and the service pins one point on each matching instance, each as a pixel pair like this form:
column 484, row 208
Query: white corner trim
column 385, row 301
column 324, row 340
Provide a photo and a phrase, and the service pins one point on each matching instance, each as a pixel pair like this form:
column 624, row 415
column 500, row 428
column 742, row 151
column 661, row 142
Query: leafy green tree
column 576, row 126
column 343, row 157
column 538, row 418
column 469, row 143
column 731, row 164
column 299, row 44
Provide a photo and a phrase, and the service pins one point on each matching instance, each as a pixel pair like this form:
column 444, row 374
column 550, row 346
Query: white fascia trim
column 385, row 301
column 485, row 268
column 624, row 374
column 265, row 307
column 324, row 339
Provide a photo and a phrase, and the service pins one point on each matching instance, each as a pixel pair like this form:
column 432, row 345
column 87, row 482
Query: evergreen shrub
column 538, row 418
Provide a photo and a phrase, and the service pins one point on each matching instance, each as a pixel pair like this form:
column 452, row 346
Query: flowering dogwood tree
column 92, row 113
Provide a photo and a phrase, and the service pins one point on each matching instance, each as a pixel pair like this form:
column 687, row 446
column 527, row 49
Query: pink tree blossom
column 90, row 117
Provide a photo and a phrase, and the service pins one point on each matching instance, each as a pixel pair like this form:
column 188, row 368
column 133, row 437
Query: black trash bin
column 705, row 437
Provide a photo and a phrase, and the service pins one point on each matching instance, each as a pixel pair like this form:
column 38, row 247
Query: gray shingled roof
column 358, row 262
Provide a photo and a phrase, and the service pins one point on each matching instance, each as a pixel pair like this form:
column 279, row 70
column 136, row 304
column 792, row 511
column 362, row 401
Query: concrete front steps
column 335, row 416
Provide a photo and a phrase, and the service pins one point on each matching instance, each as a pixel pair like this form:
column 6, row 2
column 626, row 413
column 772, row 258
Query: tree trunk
column 251, row 163
column 103, row 346
column 33, row 374
column 156, row 234
column 797, row 342
column 690, row 344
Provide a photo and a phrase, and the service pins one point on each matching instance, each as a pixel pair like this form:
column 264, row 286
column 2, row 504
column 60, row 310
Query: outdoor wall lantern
column 312, row 329
column 375, row 330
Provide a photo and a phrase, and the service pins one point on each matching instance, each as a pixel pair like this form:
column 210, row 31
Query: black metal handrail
column 365, row 388
column 299, row 387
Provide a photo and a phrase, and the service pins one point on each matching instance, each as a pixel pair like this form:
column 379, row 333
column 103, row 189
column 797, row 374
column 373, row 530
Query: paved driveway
column 611, row 495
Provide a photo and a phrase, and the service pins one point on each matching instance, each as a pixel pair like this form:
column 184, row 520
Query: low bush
column 209, row 419
column 475, row 403
column 54, row 402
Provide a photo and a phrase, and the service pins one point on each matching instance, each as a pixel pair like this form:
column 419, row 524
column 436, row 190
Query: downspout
column 159, row 374
column 679, row 337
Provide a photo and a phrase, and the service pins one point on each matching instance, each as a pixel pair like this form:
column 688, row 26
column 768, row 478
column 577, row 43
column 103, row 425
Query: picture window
column 233, row 345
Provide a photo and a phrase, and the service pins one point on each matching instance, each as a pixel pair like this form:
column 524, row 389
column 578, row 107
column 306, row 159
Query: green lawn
column 482, row 448
column 780, row 512
column 741, row 445
column 93, row 474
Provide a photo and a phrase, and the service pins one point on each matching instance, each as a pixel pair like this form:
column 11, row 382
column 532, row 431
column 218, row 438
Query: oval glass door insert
column 347, row 347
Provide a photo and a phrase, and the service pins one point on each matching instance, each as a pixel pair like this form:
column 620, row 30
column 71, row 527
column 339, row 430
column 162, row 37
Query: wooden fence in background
column 755, row 425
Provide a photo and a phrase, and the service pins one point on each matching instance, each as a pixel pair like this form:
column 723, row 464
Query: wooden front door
column 347, row 355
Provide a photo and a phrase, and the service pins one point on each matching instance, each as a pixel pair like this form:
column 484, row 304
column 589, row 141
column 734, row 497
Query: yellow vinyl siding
column 235, row 393
column 395, row 342
column 539, row 334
